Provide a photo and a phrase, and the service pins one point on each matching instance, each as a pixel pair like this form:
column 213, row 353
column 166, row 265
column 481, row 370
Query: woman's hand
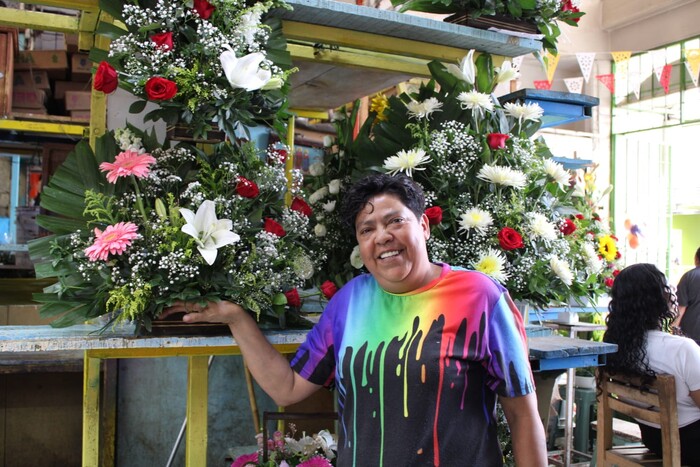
column 211, row 312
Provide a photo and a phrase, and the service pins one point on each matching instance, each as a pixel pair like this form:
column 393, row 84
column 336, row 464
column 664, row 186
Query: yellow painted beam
column 289, row 163
column 197, row 405
column 88, row 5
column 294, row 30
column 91, row 412
column 310, row 113
column 72, row 129
column 360, row 59
column 179, row 351
column 98, row 115
column 38, row 20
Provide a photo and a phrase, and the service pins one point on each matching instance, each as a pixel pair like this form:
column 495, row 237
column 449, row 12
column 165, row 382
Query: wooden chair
column 654, row 403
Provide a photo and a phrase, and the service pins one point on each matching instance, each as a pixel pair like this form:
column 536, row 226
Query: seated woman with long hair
column 642, row 307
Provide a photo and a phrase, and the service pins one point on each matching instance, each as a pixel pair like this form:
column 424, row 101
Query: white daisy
column 406, row 161
column 561, row 269
column 492, row 263
column 541, row 227
column 500, row 175
column 423, row 109
column 557, row 172
column 475, row 101
column 476, row 219
column 524, row 112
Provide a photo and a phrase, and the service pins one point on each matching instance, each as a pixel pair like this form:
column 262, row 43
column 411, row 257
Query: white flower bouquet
column 144, row 224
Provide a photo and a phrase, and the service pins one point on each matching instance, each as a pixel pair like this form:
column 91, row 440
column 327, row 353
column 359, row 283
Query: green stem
column 139, row 200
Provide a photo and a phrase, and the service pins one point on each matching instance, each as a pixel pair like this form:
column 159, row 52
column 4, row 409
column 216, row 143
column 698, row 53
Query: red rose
column 510, row 239
column 497, row 140
column 618, row 255
column 329, row 289
column 247, row 188
column 300, row 206
column 106, row 79
column 609, row 281
column 615, row 272
column 274, row 228
column 160, row 89
column 434, row 215
column 163, row 40
column 203, row 8
column 568, row 227
column 579, row 216
column 293, row 299
column 568, row 6
column 280, row 154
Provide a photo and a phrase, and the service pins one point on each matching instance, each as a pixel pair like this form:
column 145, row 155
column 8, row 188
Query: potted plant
column 585, row 378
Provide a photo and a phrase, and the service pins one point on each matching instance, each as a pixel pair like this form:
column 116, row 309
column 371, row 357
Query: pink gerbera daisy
column 114, row 240
column 246, row 459
column 316, row 461
column 128, row 163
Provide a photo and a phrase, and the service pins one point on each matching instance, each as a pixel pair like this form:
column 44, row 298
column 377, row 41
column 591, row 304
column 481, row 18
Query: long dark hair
column 641, row 300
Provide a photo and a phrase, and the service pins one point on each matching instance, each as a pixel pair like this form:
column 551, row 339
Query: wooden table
column 546, row 353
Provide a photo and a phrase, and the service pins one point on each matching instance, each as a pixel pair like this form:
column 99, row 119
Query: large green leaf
column 59, row 225
column 61, row 202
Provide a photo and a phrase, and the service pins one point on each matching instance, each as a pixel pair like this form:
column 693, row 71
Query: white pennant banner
column 585, row 62
column 635, row 82
column 658, row 70
column 574, row 85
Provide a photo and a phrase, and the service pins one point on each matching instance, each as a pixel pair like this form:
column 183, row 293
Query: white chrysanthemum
column 423, row 109
column 320, row 230
column 500, row 175
column 406, row 161
column 524, row 112
column 475, row 100
column 557, row 172
column 590, row 255
column 334, row 186
column 562, row 269
column 476, row 219
column 355, row 258
column 541, row 227
column 318, row 195
column 492, row 263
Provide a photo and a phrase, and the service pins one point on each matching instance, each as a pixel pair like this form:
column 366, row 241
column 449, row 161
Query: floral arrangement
column 202, row 62
column 318, row 450
column 497, row 200
column 144, row 224
column 543, row 13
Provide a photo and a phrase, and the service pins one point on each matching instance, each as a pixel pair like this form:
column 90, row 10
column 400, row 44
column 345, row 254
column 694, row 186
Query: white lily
column 245, row 72
column 209, row 232
column 506, row 72
column 465, row 71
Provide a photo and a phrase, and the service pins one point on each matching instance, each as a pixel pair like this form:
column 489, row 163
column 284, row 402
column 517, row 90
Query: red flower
column 434, row 215
column 595, row 216
column 579, row 216
column 293, row 299
column 203, row 8
column 106, row 79
column 329, row 289
column 247, row 188
column 497, row 140
column 510, row 239
column 609, row 281
column 160, row 89
column 615, row 272
column 300, row 206
column 280, row 154
column 271, row 226
column 568, row 6
column 568, row 227
column 618, row 255
column 163, row 40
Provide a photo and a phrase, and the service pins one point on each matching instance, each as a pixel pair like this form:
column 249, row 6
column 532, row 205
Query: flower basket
column 493, row 21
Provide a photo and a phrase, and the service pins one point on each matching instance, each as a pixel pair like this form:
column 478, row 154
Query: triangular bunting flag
column 666, row 77
column 517, row 61
column 608, row 80
column 585, row 62
column 693, row 74
column 543, row 84
column 574, row 85
column 692, row 57
column 621, row 56
column 658, row 58
column 635, row 82
column 552, row 62
column 657, row 72
column 621, row 70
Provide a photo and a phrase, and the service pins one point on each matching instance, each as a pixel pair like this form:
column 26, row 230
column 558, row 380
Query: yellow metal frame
column 197, row 395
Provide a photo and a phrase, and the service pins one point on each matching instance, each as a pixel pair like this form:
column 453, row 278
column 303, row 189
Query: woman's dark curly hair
column 641, row 300
column 401, row 186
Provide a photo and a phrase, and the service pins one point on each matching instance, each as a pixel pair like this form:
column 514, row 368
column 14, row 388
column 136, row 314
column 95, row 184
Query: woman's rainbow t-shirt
column 417, row 374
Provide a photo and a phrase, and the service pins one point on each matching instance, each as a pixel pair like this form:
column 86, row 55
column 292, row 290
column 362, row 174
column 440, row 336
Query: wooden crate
column 8, row 49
